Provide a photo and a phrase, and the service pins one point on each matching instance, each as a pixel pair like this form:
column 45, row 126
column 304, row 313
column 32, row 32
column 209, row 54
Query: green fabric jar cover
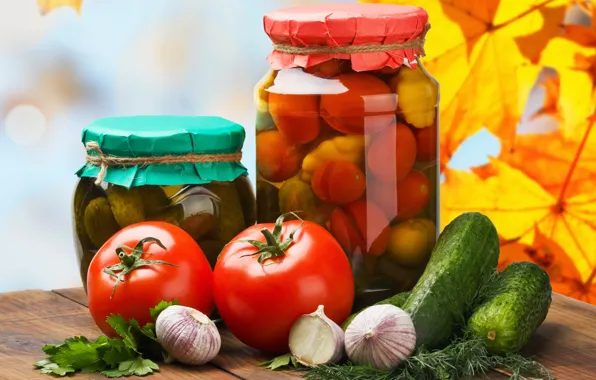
column 128, row 148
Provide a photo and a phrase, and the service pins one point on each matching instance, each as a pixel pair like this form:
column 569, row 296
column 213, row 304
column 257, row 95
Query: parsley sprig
column 133, row 353
column 283, row 362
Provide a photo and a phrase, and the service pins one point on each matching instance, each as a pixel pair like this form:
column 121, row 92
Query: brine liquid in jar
column 348, row 136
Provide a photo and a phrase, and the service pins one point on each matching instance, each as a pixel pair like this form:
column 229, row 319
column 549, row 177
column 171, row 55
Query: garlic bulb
column 315, row 339
column 381, row 336
column 188, row 335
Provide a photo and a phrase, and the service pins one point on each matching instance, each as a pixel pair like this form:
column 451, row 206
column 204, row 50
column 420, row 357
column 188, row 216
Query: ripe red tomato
column 403, row 200
column 362, row 227
column 392, row 154
column 259, row 301
column 426, row 144
column 190, row 281
column 413, row 194
column 338, row 182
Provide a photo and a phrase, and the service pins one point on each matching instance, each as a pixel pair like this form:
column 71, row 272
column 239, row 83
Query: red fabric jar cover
column 309, row 35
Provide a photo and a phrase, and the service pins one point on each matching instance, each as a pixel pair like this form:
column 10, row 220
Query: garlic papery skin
column 381, row 336
column 315, row 339
column 188, row 335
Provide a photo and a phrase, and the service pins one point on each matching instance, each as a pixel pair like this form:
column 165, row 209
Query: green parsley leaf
column 55, row 369
column 42, row 363
column 95, row 367
column 155, row 311
column 147, row 343
column 77, row 355
column 145, row 367
column 128, row 355
column 122, row 328
column 280, row 362
column 53, row 349
column 138, row 366
column 149, row 331
column 114, row 372
column 117, row 353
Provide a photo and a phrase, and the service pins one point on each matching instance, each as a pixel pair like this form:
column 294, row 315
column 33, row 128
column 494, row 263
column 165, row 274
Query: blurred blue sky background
column 119, row 57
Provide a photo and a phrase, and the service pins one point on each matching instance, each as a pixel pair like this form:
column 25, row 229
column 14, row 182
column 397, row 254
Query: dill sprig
column 464, row 358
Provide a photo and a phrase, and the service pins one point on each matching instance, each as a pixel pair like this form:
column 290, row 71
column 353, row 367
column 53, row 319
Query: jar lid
column 371, row 36
column 163, row 150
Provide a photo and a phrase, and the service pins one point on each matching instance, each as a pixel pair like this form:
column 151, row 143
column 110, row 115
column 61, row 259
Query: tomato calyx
column 273, row 247
column 133, row 260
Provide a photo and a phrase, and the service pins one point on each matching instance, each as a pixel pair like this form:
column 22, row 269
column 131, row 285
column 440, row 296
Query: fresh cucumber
column 516, row 304
column 397, row 300
column 465, row 256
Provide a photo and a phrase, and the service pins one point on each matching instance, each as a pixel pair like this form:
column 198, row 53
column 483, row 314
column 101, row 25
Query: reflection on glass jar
column 212, row 200
column 351, row 140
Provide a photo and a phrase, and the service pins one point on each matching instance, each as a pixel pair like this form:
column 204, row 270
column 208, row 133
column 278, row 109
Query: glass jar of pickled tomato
column 182, row 170
column 346, row 133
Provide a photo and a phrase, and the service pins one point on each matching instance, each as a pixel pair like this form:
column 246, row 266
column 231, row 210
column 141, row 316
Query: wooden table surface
column 565, row 343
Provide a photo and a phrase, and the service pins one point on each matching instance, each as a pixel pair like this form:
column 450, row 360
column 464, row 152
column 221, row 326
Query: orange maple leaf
column 582, row 34
column 573, row 56
column 551, row 85
column 46, row 6
column 480, row 52
column 519, row 206
column 547, row 159
column 564, row 277
column 576, row 68
column 546, row 253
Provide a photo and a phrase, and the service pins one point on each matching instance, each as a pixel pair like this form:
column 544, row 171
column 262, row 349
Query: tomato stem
column 273, row 247
column 271, row 240
column 133, row 260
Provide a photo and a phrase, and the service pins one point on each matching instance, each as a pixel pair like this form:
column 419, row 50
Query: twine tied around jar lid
column 416, row 43
column 103, row 161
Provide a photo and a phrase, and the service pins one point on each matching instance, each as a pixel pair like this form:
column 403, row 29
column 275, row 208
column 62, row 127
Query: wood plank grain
column 565, row 343
column 30, row 319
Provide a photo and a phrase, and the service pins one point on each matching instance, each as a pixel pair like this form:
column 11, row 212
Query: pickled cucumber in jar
column 84, row 193
column 247, row 199
column 127, row 204
column 267, row 202
column 100, row 222
column 230, row 214
column 182, row 170
column 153, row 198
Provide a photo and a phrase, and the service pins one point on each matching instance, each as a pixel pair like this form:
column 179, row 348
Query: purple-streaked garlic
column 315, row 339
column 188, row 335
column 381, row 336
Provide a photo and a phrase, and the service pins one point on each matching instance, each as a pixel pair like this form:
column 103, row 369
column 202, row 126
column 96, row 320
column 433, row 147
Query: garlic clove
column 381, row 336
column 315, row 339
column 188, row 335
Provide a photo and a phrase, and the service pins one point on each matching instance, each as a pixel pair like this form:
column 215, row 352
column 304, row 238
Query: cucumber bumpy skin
column 99, row 221
column 127, row 204
column 515, row 305
column 231, row 216
column 465, row 256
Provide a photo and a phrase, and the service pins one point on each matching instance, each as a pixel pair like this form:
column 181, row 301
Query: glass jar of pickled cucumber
column 346, row 133
column 183, row 170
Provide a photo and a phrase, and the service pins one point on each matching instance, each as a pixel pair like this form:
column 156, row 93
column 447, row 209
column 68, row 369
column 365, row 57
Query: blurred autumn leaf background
column 523, row 72
column 517, row 93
